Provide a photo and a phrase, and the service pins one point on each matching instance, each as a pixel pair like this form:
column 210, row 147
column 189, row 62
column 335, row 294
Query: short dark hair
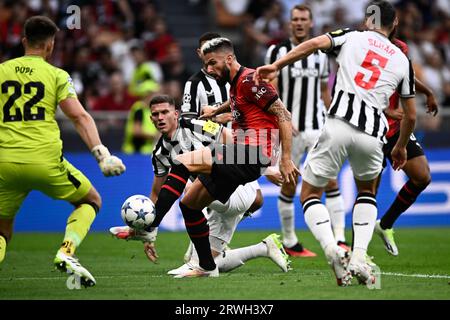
column 303, row 7
column 39, row 29
column 387, row 12
column 217, row 44
column 207, row 36
column 162, row 98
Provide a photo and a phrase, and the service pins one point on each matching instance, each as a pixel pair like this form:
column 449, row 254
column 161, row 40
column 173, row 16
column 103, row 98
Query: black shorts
column 233, row 165
column 413, row 148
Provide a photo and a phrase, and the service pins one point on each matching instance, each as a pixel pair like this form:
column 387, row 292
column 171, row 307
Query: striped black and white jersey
column 191, row 134
column 371, row 68
column 299, row 86
column 202, row 89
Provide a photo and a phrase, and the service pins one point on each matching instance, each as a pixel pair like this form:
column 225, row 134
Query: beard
column 393, row 33
column 225, row 78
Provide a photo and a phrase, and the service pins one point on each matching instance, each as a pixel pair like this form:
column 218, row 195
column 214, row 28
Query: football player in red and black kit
column 258, row 117
column 416, row 167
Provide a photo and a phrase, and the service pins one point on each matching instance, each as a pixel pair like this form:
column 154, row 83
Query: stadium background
column 169, row 30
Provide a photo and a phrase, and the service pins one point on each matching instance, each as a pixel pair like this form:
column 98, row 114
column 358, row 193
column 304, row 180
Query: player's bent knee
column 258, row 202
column 6, row 228
column 422, row 180
column 93, row 199
column 332, row 185
column 288, row 189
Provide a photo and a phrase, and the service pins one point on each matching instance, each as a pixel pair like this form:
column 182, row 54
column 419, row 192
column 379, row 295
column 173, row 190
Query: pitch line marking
column 436, row 276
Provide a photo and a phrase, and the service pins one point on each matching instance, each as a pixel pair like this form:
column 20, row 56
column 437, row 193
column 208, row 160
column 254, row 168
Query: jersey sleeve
column 270, row 56
column 262, row 95
column 64, row 86
column 206, row 130
column 407, row 89
column 325, row 71
column 338, row 39
column 160, row 161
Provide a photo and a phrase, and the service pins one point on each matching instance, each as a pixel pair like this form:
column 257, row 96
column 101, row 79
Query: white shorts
column 303, row 143
column 224, row 218
column 340, row 141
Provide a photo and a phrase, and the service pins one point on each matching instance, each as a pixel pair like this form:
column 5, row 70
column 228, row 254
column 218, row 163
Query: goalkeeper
column 31, row 156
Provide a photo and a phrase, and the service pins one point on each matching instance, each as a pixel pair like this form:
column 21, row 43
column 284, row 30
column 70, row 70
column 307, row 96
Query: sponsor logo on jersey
column 300, row 72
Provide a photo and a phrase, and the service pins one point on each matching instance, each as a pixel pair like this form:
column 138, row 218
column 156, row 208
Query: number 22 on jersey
column 368, row 64
column 17, row 92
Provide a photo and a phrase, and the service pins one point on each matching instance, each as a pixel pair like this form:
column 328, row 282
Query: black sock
column 170, row 191
column 405, row 198
column 198, row 230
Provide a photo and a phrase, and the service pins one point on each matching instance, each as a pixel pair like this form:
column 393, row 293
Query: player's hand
column 208, row 112
column 399, row 157
column 289, row 171
column 432, row 105
column 109, row 164
column 265, row 73
column 150, row 251
column 274, row 175
column 396, row 114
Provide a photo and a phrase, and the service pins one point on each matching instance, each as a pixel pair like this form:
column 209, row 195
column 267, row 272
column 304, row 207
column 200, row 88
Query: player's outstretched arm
column 86, row 128
column 210, row 112
column 399, row 155
column 287, row 168
column 304, row 49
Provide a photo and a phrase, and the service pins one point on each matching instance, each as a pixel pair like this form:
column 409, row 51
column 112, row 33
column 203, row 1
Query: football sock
column 78, row 225
column 335, row 205
column 198, row 230
column 286, row 210
column 2, row 248
column 171, row 190
column 405, row 198
column 318, row 220
column 231, row 259
column 364, row 217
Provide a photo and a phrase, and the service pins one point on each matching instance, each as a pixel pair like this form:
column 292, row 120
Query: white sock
column 335, row 206
column 231, row 259
column 364, row 217
column 318, row 220
column 286, row 211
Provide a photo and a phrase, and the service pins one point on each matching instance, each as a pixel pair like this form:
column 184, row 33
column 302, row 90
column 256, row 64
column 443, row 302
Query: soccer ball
column 138, row 212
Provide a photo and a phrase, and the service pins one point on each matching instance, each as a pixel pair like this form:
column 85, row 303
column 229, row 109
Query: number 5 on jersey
column 16, row 93
column 368, row 64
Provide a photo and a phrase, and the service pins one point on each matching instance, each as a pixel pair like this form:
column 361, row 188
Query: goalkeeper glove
column 110, row 165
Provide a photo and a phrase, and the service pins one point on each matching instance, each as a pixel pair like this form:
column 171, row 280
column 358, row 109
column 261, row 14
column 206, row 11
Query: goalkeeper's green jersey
column 30, row 92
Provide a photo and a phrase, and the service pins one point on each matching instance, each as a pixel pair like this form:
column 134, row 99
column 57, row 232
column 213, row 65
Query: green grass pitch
column 421, row 271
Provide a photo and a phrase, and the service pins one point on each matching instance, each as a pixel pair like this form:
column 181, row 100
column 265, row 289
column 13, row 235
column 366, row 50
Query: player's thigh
column 365, row 156
column 198, row 161
column 197, row 197
column 417, row 168
column 13, row 188
column 325, row 159
column 64, row 182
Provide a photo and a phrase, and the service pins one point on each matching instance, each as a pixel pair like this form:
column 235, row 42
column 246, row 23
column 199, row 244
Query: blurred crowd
column 424, row 26
column 125, row 52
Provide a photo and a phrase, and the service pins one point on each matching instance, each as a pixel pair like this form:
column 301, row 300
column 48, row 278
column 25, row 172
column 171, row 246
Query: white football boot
column 338, row 259
column 197, row 272
column 127, row 233
column 71, row 265
column 275, row 251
